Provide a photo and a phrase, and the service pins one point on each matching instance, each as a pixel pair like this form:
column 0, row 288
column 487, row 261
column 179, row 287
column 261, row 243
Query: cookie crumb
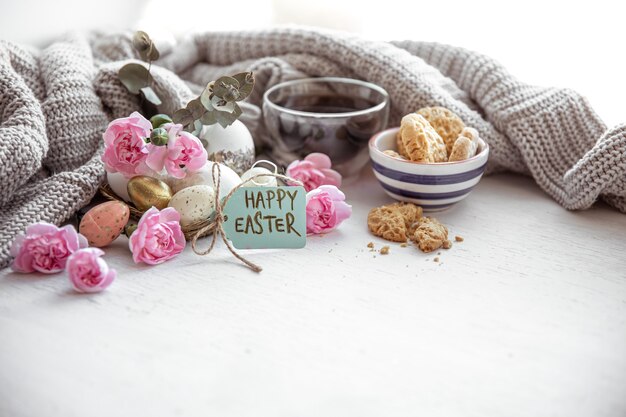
column 436, row 259
column 404, row 245
column 447, row 244
column 370, row 245
column 458, row 238
column 384, row 250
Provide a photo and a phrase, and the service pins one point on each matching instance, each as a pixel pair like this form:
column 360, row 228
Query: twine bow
column 217, row 224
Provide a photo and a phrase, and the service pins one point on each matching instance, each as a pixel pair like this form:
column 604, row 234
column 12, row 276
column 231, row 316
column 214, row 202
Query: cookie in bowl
column 413, row 164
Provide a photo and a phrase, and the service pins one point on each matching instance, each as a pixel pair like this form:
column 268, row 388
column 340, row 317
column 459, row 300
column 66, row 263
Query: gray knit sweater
column 56, row 102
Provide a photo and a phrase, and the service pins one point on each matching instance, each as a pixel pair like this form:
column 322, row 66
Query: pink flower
column 88, row 272
column 158, row 237
column 184, row 153
column 325, row 209
column 125, row 147
column 314, row 171
column 45, row 248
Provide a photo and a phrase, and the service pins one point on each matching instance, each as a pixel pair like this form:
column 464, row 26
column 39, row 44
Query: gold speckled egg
column 146, row 192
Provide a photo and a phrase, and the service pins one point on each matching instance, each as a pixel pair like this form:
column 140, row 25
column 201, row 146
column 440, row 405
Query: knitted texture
column 56, row 103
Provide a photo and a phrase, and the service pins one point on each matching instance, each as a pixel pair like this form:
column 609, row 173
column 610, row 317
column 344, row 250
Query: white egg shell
column 193, row 203
column 201, row 177
column 232, row 138
column 268, row 181
column 118, row 184
column 228, row 178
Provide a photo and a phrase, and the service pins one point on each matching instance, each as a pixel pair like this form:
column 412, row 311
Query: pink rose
column 45, row 248
column 125, row 147
column 325, row 209
column 183, row 153
column 158, row 237
column 314, row 171
column 88, row 272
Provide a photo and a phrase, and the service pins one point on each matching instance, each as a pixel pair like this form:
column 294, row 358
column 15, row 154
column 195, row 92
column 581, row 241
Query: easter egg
column 201, row 177
column 146, row 192
column 104, row 223
column 194, row 204
column 265, row 181
column 118, row 184
column 228, row 178
column 233, row 146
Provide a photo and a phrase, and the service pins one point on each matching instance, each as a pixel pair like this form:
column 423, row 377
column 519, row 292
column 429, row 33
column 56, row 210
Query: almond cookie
column 393, row 154
column 400, row 146
column 388, row 224
column 445, row 122
column 430, row 235
column 420, row 141
column 465, row 146
column 410, row 212
column 393, row 221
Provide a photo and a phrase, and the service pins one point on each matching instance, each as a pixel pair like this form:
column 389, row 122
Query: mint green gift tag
column 266, row 217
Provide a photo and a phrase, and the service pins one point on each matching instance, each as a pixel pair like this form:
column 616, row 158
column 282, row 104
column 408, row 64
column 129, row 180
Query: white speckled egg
column 268, row 181
column 193, row 203
column 232, row 146
column 118, row 184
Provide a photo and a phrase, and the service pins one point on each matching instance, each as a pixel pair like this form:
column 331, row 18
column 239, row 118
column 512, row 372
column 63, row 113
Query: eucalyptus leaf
column 225, row 119
column 209, row 118
column 222, row 84
column 145, row 46
column 151, row 96
column 246, row 84
column 196, row 108
column 153, row 54
column 222, row 105
column 135, row 77
column 182, row 116
column 141, row 41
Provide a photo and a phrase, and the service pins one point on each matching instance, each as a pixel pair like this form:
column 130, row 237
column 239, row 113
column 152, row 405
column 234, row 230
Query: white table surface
column 526, row 317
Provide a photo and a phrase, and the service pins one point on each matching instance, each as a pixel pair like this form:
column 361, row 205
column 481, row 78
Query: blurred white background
column 573, row 44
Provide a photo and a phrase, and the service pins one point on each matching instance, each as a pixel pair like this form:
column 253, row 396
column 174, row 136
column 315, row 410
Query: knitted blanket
column 56, row 102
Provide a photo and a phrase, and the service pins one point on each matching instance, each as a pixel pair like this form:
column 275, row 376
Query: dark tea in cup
column 335, row 116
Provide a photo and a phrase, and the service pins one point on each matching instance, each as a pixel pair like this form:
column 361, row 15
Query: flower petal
column 156, row 157
column 320, row 160
column 332, row 177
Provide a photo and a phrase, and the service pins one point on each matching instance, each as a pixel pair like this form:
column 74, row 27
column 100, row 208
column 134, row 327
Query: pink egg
column 104, row 223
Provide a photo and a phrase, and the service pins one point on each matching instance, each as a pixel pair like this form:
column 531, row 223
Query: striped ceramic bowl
column 434, row 186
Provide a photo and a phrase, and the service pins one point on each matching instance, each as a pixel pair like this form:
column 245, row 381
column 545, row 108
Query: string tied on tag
column 216, row 226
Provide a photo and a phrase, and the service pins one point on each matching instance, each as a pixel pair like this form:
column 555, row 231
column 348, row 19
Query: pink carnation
column 125, row 147
column 184, row 153
column 88, row 272
column 158, row 237
column 325, row 209
column 45, row 248
column 314, row 171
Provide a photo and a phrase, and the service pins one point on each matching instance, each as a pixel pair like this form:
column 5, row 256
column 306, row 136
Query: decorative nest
column 190, row 230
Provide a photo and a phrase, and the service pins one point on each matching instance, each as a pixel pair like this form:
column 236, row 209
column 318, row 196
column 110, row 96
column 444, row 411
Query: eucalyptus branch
column 136, row 77
column 217, row 103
